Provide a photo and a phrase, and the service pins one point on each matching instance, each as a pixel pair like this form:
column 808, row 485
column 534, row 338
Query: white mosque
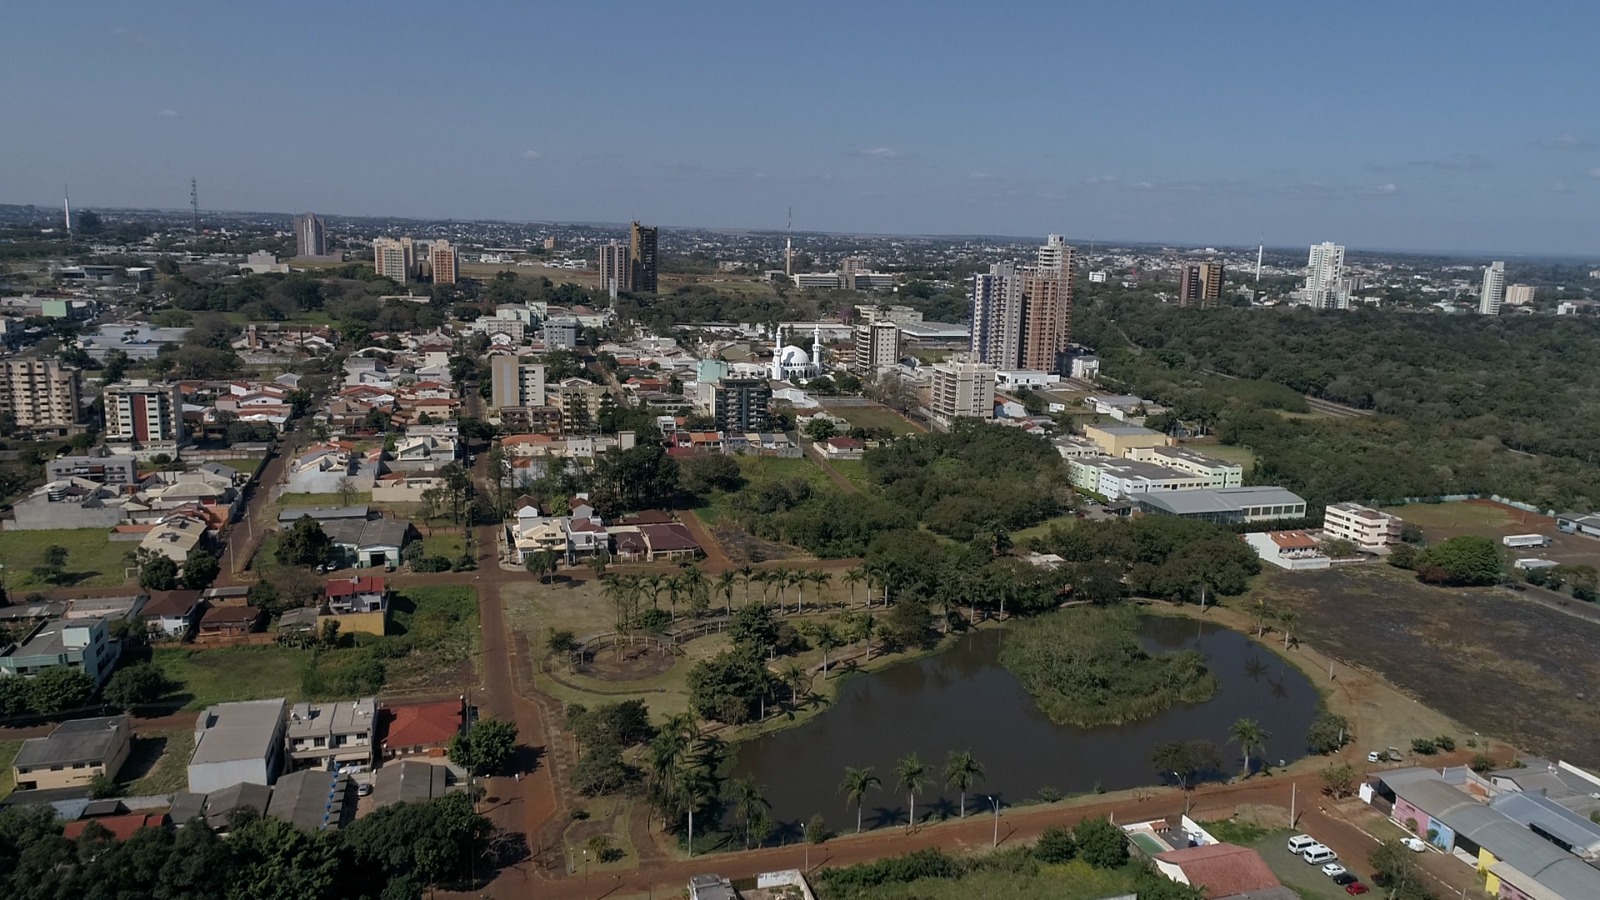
column 792, row 364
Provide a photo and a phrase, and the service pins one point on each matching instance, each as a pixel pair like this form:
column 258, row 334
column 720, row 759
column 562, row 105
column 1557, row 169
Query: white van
column 1300, row 842
column 1316, row 854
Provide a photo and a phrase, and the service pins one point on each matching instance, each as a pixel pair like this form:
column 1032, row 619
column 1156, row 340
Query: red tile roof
column 350, row 587
column 669, row 537
column 421, row 724
column 171, row 603
column 1222, row 869
column 1293, row 540
column 121, row 827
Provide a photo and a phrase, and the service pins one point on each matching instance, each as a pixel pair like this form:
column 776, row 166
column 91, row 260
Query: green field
column 1467, row 516
column 876, row 417
column 92, row 559
column 205, row 677
column 757, row 469
column 324, row 500
column 1076, row 880
column 8, row 752
column 1227, row 453
column 854, row 470
column 1042, row 529
column 443, row 543
column 246, row 466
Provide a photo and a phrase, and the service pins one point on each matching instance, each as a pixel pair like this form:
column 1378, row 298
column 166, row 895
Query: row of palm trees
column 961, row 772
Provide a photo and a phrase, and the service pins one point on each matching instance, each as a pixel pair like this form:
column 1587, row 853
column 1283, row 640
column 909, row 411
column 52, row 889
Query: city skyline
column 1118, row 148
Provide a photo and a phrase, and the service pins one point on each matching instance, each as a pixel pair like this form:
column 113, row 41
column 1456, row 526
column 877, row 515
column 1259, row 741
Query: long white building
column 1493, row 292
column 1323, row 271
column 1363, row 526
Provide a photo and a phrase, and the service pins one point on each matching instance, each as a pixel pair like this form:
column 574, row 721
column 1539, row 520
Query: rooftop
column 321, row 513
column 342, row 717
column 408, row 781
column 1223, row 869
column 422, row 724
column 1123, row 430
column 1222, row 500
column 349, row 587
column 311, row 799
column 233, row 731
column 85, row 741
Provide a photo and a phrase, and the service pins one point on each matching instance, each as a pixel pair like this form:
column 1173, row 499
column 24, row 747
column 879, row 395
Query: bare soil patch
column 632, row 664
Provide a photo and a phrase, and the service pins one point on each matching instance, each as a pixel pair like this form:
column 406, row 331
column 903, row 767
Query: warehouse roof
column 81, row 741
column 1221, row 500
column 240, row 730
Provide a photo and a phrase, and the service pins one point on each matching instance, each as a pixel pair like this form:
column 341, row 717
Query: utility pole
column 194, row 204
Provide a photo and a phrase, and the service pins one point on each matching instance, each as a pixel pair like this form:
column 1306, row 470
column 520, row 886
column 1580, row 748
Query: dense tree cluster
column 393, row 853
column 821, row 519
column 1161, row 556
column 1463, row 560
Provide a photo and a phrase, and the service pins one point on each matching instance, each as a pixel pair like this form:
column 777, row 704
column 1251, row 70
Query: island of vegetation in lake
column 1086, row 667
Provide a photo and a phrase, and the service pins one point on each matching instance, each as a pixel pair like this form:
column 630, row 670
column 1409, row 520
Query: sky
column 1464, row 126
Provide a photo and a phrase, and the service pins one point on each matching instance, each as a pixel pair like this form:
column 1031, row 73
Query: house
column 372, row 542
column 237, row 742
column 419, row 729
column 1221, row 870
column 173, row 613
column 1294, row 550
column 79, row 643
column 73, row 754
column 175, row 536
column 403, row 487
column 844, row 448
column 408, row 781
column 357, row 594
column 122, row 827
column 671, row 541
column 329, row 735
column 228, row 623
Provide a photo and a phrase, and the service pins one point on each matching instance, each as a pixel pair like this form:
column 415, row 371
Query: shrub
column 1101, row 844
column 1055, row 845
column 1481, row 763
column 1424, row 746
column 431, row 564
column 1446, row 743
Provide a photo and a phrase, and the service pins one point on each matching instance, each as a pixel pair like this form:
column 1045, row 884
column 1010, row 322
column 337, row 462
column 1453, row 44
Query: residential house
column 359, row 603
column 330, row 735
column 665, row 542
column 223, row 624
column 174, row 614
column 237, row 742
column 371, row 542
column 73, row 755
column 1294, row 550
column 419, row 729
column 844, row 448
column 176, row 535
column 120, row 827
column 1222, row 870
column 83, row 644
column 323, row 515
column 404, row 487
column 409, row 781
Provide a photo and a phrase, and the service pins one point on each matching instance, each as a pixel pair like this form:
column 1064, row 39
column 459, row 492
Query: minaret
column 788, row 247
column 816, row 349
column 777, row 354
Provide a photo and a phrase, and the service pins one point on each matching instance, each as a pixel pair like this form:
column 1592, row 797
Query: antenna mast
column 788, row 247
column 66, row 206
column 194, row 204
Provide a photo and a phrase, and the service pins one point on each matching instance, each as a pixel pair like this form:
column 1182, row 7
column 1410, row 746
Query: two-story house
column 328, row 735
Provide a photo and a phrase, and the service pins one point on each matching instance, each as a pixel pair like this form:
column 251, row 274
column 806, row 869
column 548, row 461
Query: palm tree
column 747, row 575
column 693, row 788
column 749, row 805
column 961, row 771
column 911, row 775
column 793, row 676
column 725, row 584
column 853, row 577
column 656, row 584
column 1286, row 619
column 855, row 786
column 1249, row 735
column 820, row 580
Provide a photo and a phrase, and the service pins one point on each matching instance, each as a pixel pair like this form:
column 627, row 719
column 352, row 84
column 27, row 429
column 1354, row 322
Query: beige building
column 144, row 413
column 515, row 382
column 394, row 258
column 1217, row 473
column 963, row 390
column 1363, row 526
column 877, row 346
column 73, row 754
column 616, row 265
column 442, row 262
column 581, row 403
column 1118, row 440
column 42, row 395
column 1519, row 294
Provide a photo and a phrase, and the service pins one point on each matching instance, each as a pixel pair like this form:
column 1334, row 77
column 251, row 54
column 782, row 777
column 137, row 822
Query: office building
column 144, row 413
column 97, row 464
column 42, row 395
column 73, row 755
column 1215, row 473
column 1323, row 271
column 442, row 262
column 1519, row 294
column 963, row 389
column 310, row 236
column 561, row 333
column 237, row 743
column 1363, row 526
column 1200, row 284
column 394, row 258
column 515, row 382
column 1022, row 316
column 616, row 267
column 740, row 404
column 642, row 256
column 877, row 347
column 1493, row 292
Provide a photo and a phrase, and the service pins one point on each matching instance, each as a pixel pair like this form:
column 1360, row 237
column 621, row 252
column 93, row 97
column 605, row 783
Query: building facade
column 42, row 395
column 73, row 755
column 996, row 298
column 310, row 236
column 1363, row 526
column 616, row 267
column 237, row 743
column 394, row 258
column 1493, row 291
column 1200, row 284
column 144, row 412
column 740, row 404
column 442, row 262
column 515, row 382
column 642, row 258
column 963, row 390
column 1519, row 294
column 341, row 733
column 1323, row 271
column 877, row 347
column 1022, row 316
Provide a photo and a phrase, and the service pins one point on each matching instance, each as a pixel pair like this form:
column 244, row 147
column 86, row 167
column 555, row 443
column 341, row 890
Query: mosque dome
column 793, row 356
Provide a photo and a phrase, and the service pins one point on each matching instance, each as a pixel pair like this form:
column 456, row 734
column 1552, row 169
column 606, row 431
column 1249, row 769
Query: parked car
column 1333, row 870
column 364, row 789
column 1374, row 756
column 1355, row 888
column 1345, row 879
column 1300, row 842
column 1415, row 845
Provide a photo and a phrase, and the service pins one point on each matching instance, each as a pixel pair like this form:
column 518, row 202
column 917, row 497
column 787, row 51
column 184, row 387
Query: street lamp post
column 996, row 842
column 807, row 840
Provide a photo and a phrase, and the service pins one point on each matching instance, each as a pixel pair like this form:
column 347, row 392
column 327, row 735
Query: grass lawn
column 1076, row 880
column 1466, row 516
column 1292, row 870
column 1042, row 529
column 757, row 469
column 205, row 677
column 8, row 752
column 854, row 470
column 92, row 559
column 246, row 466
column 158, row 762
column 440, row 623
column 443, row 543
column 876, row 417
column 288, row 500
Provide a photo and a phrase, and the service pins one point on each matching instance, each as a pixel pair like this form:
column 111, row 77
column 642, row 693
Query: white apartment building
column 516, row 382
column 997, row 316
column 1493, row 291
column 963, row 390
column 616, row 267
column 1217, row 473
column 1363, row 526
column 1519, row 294
column 144, row 413
column 42, row 395
column 394, row 258
column 1114, row 478
column 1323, row 271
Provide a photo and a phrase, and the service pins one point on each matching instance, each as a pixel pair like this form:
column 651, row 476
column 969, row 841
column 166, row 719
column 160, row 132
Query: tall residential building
column 963, row 389
column 1200, row 283
column 515, row 382
column 877, row 346
column 442, row 262
column 1323, row 271
column 1493, row 292
column 616, row 264
column 997, row 316
column 144, row 412
column 394, row 258
column 310, row 236
column 41, row 395
column 1519, row 294
column 643, row 258
column 1022, row 317
column 740, row 404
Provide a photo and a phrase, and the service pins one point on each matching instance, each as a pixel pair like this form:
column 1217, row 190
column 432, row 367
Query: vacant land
column 92, row 559
column 718, row 508
column 1225, row 452
column 1499, row 664
column 285, row 501
column 8, row 752
column 444, row 543
column 1076, row 880
column 205, row 677
column 158, row 762
column 246, row 466
column 1441, row 521
column 877, row 417
column 1043, row 528
column 854, row 471
column 1459, row 517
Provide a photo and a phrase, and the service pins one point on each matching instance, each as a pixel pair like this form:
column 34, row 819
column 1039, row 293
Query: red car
column 1355, row 887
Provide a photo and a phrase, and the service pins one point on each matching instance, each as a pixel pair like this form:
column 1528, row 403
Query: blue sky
column 1466, row 126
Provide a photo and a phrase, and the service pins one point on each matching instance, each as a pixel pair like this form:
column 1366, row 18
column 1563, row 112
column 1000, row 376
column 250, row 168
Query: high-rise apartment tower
column 310, row 236
column 1323, row 271
column 643, row 258
column 1493, row 292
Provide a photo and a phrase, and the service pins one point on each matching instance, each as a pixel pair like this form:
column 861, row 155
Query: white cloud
column 1568, row 142
column 530, row 154
column 1389, row 188
column 168, row 113
column 882, row 153
column 1101, row 179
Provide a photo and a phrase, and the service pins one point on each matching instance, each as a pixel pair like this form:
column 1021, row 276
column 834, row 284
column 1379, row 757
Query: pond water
column 964, row 699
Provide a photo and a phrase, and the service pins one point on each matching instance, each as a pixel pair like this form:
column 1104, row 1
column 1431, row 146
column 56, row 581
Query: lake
column 964, row 699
